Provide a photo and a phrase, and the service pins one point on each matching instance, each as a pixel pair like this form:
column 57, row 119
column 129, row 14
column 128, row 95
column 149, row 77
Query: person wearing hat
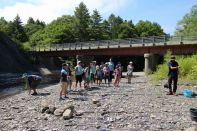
column 130, row 68
column 172, row 76
column 32, row 81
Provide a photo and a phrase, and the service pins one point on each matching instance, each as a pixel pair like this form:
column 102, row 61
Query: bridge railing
column 117, row 43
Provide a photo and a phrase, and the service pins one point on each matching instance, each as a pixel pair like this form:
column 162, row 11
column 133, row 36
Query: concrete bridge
column 150, row 47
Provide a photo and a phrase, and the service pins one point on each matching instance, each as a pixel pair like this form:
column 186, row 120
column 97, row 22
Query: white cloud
column 48, row 10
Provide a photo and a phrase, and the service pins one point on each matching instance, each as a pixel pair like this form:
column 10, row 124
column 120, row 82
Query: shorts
column 78, row 78
column 64, row 86
column 34, row 84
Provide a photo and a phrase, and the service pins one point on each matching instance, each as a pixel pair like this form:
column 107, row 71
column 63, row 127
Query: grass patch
column 187, row 69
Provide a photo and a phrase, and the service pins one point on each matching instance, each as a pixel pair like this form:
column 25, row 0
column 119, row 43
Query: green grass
column 187, row 69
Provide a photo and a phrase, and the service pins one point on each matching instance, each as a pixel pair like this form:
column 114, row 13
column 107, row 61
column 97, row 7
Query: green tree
column 188, row 24
column 82, row 20
column 95, row 26
column 126, row 30
column 106, row 30
column 3, row 25
column 58, row 31
column 32, row 27
column 147, row 28
column 16, row 30
column 114, row 25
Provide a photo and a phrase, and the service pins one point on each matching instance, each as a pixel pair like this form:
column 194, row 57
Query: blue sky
column 164, row 12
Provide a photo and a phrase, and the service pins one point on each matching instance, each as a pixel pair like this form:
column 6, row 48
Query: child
column 98, row 75
column 117, row 75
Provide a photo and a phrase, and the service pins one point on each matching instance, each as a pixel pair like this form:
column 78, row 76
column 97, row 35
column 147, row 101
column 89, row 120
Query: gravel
column 139, row 106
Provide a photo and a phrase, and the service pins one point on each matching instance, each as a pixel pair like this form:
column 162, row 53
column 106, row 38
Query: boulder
column 191, row 129
column 59, row 112
column 68, row 113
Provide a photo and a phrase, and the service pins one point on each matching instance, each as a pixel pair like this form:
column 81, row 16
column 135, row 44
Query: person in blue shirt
column 172, row 76
column 111, row 69
column 64, row 81
column 78, row 74
column 32, row 82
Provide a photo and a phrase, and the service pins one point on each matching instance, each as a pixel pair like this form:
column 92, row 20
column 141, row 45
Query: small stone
column 98, row 104
column 14, row 107
column 44, row 109
column 8, row 118
column 95, row 101
column 152, row 116
column 52, row 109
column 79, row 113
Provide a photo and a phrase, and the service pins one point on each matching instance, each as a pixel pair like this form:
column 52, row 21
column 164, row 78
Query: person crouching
column 32, row 81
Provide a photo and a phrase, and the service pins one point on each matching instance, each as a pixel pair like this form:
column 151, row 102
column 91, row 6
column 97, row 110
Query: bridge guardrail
column 117, row 43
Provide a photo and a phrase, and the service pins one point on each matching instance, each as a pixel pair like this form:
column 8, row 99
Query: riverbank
column 138, row 106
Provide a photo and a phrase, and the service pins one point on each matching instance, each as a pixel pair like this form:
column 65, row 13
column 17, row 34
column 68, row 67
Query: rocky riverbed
column 139, row 106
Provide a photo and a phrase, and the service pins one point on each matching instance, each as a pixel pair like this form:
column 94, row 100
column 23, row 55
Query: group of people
column 95, row 74
column 92, row 73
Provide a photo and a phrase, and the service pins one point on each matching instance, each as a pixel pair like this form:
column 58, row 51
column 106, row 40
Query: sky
column 165, row 12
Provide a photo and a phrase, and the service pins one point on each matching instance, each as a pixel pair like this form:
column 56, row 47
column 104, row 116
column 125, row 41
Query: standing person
column 111, row 68
column 64, row 81
column 117, row 76
column 32, row 81
column 78, row 74
column 70, row 77
column 172, row 76
column 98, row 75
column 130, row 68
column 92, row 72
column 101, row 68
column 106, row 73
column 87, row 76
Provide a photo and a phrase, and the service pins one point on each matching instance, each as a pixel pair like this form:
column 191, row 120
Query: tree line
column 82, row 26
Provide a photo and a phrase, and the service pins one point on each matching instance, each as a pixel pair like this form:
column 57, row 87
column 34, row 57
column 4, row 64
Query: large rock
column 59, row 112
column 191, row 129
column 68, row 113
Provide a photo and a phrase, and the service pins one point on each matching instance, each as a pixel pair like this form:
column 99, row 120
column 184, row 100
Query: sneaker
column 34, row 94
column 175, row 94
column 61, row 98
column 169, row 93
column 66, row 97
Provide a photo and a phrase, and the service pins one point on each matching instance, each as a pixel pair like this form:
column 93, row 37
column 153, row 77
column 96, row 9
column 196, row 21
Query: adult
column 32, row 81
column 130, row 68
column 92, row 72
column 172, row 76
column 64, row 81
column 78, row 74
column 70, row 77
column 87, row 76
column 111, row 68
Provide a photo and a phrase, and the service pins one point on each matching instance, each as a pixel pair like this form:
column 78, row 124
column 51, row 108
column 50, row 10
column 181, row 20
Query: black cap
column 64, row 64
column 173, row 57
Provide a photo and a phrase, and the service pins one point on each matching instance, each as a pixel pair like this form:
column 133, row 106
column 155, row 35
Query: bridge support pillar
column 148, row 63
column 151, row 62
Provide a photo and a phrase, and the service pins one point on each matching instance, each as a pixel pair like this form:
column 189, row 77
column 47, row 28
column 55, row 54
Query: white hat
column 131, row 62
column 78, row 62
column 24, row 75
